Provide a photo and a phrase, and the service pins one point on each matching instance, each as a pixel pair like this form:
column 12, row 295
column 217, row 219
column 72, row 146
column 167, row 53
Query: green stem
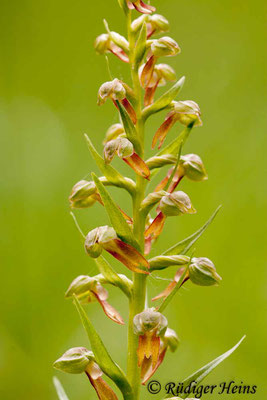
column 137, row 302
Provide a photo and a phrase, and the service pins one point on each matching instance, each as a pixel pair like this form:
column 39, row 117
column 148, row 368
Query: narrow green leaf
column 59, row 389
column 129, row 127
column 175, row 167
column 173, row 147
column 173, row 292
column 165, row 100
column 113, row 176
column 185, row 245
column 112, row 277
column 103, row 359
column 116, row 218
column 199, row 375
column 140, row 47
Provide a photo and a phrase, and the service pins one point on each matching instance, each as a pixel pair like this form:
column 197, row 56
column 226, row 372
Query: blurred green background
column 49, row 77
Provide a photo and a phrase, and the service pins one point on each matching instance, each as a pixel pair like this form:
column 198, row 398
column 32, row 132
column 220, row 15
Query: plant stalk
column 137, row 302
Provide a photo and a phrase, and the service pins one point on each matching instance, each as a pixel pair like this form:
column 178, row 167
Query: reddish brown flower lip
column 118, row 52
column 150, row 93
column 110, row 311
column 138, row 165
column 147, row 72
column 102, row 389
column 128, row 107
column 130, row 110
column 163, row 130
column 148, row 347
column 127, row 255
column 155, row 228
column 146, row 374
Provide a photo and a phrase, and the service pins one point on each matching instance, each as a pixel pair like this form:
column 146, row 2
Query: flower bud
column 74, row 361
column 138, row 23
column 165, row 73
column 122, row 146
column 176, row 203
column 165, row 46
column 102, row 43
column 158, row 23
column 112, row 89
column 110, row 150
column 150, row 320
column 113, row 132
column 120, row 41
column 80, row 285
column 125, row 148
column 114, row 43
column 84, row 195
column 171, row 339
column 187, row 111
column 155, row 24
column 82, row 190
column 203, row 272
column 193, row 167
column 151, row 200
column 95, row 239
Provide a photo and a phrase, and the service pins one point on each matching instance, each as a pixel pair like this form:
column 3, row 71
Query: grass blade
column 201, row 374
column 59, row 389
column 185, row 245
